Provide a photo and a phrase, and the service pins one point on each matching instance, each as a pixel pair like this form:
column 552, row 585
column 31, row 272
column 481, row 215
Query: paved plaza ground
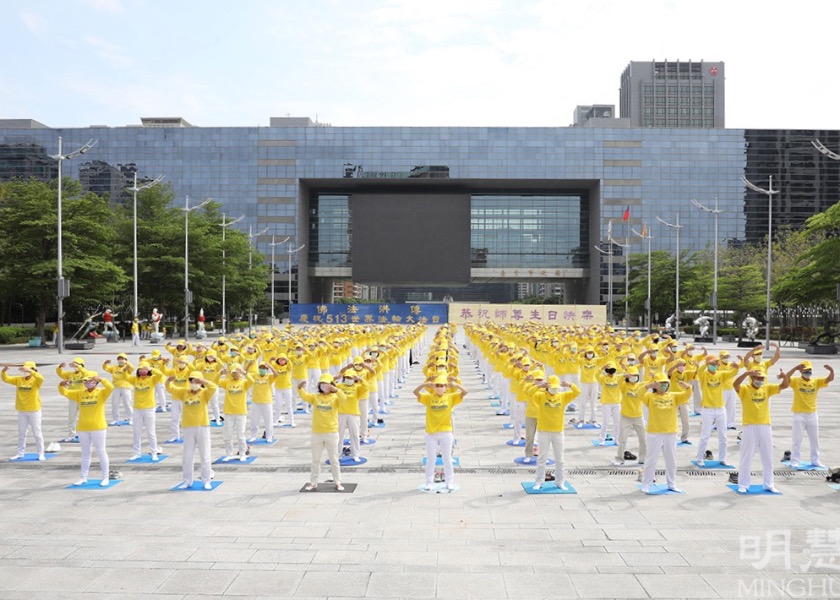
column 257, row 536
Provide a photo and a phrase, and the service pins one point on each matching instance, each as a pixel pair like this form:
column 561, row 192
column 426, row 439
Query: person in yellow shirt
column 552, row 397
column 610, row 401
column 196, row 426
column 804, row 408
column 324, row 427
column 362, row 368
column 680, row 370
column 121, row 398
column 135, row 332
column 712, row 409
column 757, row 433
column 211, row 370
column 74, row 374
column 236, row 384
column 262, row 401
column 283, row 389
column 439, row 395
column 589, row 365
column 92, row 426
column 160, row 363
column 28, row 406
column 348, row 411
column 144, row 380
column 663, row 407
column 632, row 417
column 729, row 368
column 530, row 384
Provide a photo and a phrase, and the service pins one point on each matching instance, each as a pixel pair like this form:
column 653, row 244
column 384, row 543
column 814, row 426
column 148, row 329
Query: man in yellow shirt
column 610, row 401
column 92, row 426
column 74, row 374
column 324, row 428
column 144, row 380
column 712, row 409
column 439, row 395
column 348, row 411
column 262, row 401
column 552, row 398
column 663, row 407
column 121, row 398
column 804, row 409
column 589, row 366
column 196, row 426
column 236, row 384
column 632, row 417
column 283, row 389
column 28, row 406
column 757, row 433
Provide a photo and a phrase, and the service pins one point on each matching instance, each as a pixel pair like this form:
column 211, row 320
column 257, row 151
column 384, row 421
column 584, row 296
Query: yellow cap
column 196, row 375
column 711, row 358
column 122, row 355
column 79, row 361
column 29, row 365
column 441, row 380
column 661, row 378
column 358, row 360
column 553, row 381
column 539, row 374
column 155, row 352
column 326, row 378
column 806, row 364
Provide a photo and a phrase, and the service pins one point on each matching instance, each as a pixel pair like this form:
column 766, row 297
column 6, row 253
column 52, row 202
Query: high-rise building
column 673, row 94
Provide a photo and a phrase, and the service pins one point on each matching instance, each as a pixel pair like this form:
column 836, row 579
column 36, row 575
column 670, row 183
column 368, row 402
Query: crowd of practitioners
column 623, row 383
column 242, row 383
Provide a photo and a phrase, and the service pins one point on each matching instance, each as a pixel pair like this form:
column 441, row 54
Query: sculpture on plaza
column 750, row 327
column 108, row 321
column 703, row 322
column 156, row 317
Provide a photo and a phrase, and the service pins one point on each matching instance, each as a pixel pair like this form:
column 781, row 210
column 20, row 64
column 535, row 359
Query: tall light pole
column 187, row 293
column 251, row 237
column 609, row 255
column 646, row 235
column 676, row 225
column 273, row 270
column 769, row 191
column 135, row 188
column 716, row 212
column 626, row 249
column 63, row 286
column 290, row 251
column 225, row 224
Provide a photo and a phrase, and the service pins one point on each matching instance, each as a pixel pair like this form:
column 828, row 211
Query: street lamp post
column 290, row 251
column 769, row 191
column 63, row 286
column 609, row 255
column 273, row 270
column 225, row 224
column 135, row 188
column 716, row 212
column 676, row 226
column 251, row 237
column 646, row 235
column 626, row 249
column 187, row 293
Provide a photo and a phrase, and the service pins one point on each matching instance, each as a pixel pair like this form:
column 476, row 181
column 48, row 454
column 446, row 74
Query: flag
column 609, row 230
column 626, row 216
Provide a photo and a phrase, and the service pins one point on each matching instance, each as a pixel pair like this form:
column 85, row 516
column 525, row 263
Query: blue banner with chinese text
column 369, row 314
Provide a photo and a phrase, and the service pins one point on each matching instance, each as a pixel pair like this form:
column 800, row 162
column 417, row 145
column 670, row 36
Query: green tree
column 741, row 281
column 812, row 278
column 28, row 244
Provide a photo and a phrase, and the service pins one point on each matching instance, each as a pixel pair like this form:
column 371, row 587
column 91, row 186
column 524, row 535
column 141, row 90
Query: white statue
column 156, row 316
column 703, row 322
column 201, row 319
column 750, row 325
column 108, row 320
column 669, row 322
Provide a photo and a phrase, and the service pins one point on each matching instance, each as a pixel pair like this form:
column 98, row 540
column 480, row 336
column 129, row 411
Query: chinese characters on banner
column 546, row 314
column 369, row 314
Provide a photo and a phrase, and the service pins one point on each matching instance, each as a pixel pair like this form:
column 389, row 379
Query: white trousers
column 328, row 442
column 682, row 409
column 442, row 440
column 557, row 440
column 27, row 420
column 802, row 423
column 283, row 401
column 588, row 399
column 730, row 400
column 364, row 430
column 666, row 444
column 144, row 417
column 628, row 424
column 610, row 414
column 350, row 424
column 756, row 437
column 213, row 406
column 95, row 440
column 196, row 438
column 264, row 413
column 712, row 417
column 72, row 417
column 235, row 430
column 530, row 435
column 160, row 395
column 697, row 396
column 376, row 401
column 517, row 415
column 177, row 407
column 121, row 403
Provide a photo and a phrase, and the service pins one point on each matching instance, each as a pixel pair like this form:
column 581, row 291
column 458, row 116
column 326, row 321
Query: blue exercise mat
column 518, row 443
column 711, row 464
column 438, row 488
column 685, row 443
column 384, row 411
column 33, row 457
column 835, row 486
column 370, row 442
column 263, row 442
column 495, row 404
column 376, row 425
column 216, row 425
column 520, row 460
column 146, row 459
column 803, row 466
column 586, row 426
column 288, row 425
column 659, row 489
column 456, row 461
column 753, row 490
column 502, row 413
column 346, row 461
column 174, row 441
column 234, row 461
column 93, row 484
column 198, row 486
column 549, row 487
column 510, row 426
column 606, row 444
column 120, row 423
column 695, row 414
column 300, row 411
column 72, row 440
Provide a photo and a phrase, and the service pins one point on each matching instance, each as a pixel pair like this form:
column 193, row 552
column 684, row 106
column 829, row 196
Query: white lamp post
column 63, row 286
column 290, row 251
column 626, row 249
column 225, row 224
column 273, row 244
column 646, row 235
column 716, row 212
column 135, row 188
column 609, row 255
column 676, row 225
column 251, row 237
column 769, row 191
column 187, row 293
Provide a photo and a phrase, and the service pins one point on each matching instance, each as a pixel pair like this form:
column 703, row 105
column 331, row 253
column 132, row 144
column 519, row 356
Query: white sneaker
column 105, row 483
column 537, row 486
column 81, row 481
column 134, row 457
column 818, row 465
column 357, row 459
column 427, row 487
column 561, row 484
column 742, row 490
column 771, row 489
column 17, row 456
column 251, row 440
column 701, row 462
column 227, row 458
column 794, row 464
column 646, row 489
column 269, row 440
column 154, row 456
column 243, row 458
column 675, row 489
column 42, row 457
column 183, row 486
column 527, row 459
column 208, row 486
column 450, row 486
column 602, row 443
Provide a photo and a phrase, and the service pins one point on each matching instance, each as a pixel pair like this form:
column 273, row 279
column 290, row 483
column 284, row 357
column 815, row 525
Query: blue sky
column 72, row 63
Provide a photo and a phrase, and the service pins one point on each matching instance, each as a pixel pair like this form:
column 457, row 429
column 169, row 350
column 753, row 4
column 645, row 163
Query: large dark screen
column 408, row 239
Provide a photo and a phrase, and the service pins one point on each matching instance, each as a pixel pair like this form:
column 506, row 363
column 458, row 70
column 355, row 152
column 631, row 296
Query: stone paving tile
column 607, row 586
column 198, row 582
column 268, row 583
column 333, row 584
column 402, row 585
column 669, row 585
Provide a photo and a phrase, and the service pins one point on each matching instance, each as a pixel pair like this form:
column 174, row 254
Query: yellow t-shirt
column 119, row 374
column 263, row 390
column 144, row 389
column 324, row 410
column 350, row 405
column 805, row 393
column 589, row 368
column 552, row 408
column 439, row 410
column 236, row 394
column 284, row 375
column 755, row 403
column 91, row 405
column 610, row 388
column 663, row 410
column 711, row 386
column 195, row 404
column 27, row 395
column 631, row 399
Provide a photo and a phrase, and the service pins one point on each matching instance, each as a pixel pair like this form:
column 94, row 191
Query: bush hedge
column 16, row 334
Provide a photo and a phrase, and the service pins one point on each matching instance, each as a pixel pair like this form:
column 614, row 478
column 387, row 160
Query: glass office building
column 541, row 199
